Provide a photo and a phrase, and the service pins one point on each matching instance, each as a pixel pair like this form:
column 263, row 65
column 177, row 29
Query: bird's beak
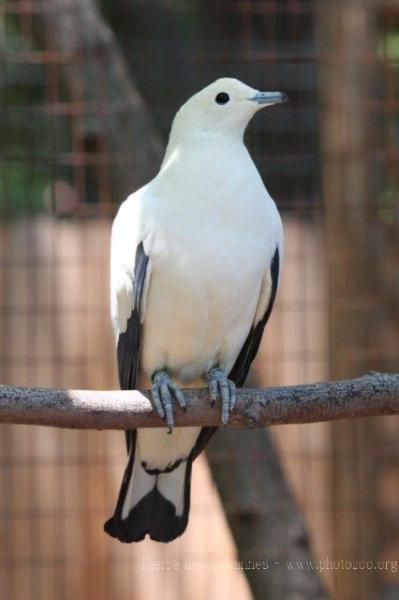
column 269, row 98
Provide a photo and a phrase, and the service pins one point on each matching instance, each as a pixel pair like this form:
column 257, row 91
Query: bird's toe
column 233, row 395
column 218, row 383
column 156, row 398
column 213, row 390
column 178, row 394
column 162, row 391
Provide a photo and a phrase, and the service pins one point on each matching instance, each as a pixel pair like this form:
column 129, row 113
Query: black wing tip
column 128, row 346
column 241, row 367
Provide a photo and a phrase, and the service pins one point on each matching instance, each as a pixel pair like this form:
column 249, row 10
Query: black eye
column 222, row 98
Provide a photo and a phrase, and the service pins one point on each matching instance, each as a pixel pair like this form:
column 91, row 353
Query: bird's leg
column 162, row 391
column 219, row 383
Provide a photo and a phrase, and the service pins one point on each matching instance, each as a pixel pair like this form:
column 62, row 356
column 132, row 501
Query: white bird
column 195, row 260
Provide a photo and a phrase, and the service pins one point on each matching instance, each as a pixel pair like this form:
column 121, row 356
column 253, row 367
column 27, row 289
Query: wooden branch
column 371, row 395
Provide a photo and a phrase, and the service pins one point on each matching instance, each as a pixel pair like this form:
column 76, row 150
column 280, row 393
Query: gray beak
column 269, row 98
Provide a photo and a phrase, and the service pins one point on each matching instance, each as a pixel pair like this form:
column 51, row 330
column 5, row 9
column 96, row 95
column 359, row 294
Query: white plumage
column 210, row 231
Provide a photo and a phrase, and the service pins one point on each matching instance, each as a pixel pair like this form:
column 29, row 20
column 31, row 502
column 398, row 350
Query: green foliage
column 388, row 46
column 21, row 187
column 387, row 128
column 27, row 132
column 388, row 203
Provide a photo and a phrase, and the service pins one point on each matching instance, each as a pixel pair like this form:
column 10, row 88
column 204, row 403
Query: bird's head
column 225, row 106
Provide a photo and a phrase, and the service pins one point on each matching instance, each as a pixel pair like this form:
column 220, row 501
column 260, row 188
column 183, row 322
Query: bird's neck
column 204, row 148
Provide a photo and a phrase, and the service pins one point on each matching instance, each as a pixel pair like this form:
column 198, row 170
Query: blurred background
column 87, row 94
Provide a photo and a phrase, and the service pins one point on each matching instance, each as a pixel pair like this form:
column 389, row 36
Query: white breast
column 210, row 249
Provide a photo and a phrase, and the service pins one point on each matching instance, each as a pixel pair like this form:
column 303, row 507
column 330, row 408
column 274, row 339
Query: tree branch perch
column 371, row 395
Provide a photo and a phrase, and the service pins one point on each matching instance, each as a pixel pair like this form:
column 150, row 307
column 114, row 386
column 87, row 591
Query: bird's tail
column 151, row 502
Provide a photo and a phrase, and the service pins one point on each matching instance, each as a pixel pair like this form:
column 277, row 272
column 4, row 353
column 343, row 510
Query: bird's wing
column 130, row 275
column 131, row 297
column 248, row 352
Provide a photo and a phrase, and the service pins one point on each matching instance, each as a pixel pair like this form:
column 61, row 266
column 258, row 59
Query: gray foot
column 162, row 390
column 219, row 383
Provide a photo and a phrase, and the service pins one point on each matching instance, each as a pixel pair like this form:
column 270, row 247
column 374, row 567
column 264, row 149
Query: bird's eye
column 222, row 98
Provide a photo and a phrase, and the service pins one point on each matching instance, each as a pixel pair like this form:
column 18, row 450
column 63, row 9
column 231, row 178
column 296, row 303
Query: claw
column 157, row 400
column 233, row 395
column 161, row 391
column 219, row 383
column 178, row 394
column 213, row 390
column 167, row 404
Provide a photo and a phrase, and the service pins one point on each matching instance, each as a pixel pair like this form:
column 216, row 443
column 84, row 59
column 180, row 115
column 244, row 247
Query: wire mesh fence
column 84, row 96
